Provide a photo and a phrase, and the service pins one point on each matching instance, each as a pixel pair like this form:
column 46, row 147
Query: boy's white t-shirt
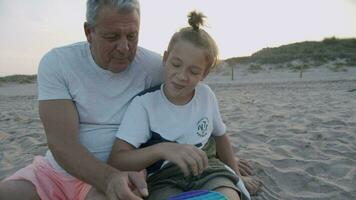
column 100, row 96
column 151, row 118
column 152, row 114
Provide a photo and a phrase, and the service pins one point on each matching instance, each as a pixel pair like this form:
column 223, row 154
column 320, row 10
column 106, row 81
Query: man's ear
column 88, row 30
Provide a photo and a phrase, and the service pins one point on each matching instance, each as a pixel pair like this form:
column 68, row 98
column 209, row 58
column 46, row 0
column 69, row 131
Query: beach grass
column 22, row 79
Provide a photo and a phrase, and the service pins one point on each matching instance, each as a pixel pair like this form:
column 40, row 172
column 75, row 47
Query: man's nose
column 122, row 45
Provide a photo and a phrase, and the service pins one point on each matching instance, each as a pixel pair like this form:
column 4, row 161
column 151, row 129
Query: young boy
column 175, row 130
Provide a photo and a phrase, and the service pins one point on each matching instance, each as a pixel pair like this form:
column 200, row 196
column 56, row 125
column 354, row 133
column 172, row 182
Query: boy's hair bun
column 196, row 20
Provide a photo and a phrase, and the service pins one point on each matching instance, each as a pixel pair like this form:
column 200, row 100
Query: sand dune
column 299, row 134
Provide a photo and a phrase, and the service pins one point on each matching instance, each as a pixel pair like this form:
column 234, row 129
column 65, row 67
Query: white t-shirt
column 152, row 116
column 100, row 96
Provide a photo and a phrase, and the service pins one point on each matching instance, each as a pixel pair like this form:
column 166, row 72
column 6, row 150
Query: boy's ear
column 165, row 56
column 88, row 30
column 206, row 72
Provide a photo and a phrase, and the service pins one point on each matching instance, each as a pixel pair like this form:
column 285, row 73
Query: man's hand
column 188, row 157
column 126, row 186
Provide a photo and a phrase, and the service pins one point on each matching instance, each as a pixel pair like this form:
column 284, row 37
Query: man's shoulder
column 78, row 46
column 147, row 58
column 148, row 63
column 57, row 59
column 147, row 53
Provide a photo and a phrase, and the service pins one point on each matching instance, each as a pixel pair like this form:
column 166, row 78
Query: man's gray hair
column 93, row 7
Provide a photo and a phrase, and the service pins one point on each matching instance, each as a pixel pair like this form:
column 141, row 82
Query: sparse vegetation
column 351, row 61
column 298, row 68
column 254, row 68
column 18, row 79
column 337, row 68
column 226, row 73
column 315, row 53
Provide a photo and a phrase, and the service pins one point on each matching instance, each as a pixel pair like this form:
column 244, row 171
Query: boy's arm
column 124, row 156
column 225, row 153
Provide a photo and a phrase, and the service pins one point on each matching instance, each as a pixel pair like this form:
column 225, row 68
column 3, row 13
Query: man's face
column 113, row 40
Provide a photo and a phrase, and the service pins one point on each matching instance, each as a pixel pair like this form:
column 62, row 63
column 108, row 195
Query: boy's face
column 185, row 66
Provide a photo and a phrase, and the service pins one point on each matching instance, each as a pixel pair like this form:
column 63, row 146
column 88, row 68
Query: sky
column 240, row 27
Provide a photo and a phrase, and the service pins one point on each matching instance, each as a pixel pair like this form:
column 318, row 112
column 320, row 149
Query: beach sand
column 298, row 134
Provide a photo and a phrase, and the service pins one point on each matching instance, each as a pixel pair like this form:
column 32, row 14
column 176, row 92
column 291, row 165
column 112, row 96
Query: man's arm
column 61, row 123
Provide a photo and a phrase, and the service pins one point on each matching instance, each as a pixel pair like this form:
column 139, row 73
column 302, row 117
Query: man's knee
column 94, row 194
column 18, row 189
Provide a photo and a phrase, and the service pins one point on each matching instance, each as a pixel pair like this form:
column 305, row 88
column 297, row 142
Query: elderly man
column 84, row 90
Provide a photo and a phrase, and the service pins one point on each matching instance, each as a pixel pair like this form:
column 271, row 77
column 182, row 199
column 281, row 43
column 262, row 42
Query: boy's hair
column 94, row 6
column 197, row 36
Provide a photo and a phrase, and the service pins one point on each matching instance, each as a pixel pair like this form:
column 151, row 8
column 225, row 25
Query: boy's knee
column 164, row 193
column 230, row 193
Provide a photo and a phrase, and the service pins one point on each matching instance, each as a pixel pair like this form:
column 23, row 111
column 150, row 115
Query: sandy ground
column 299, row 134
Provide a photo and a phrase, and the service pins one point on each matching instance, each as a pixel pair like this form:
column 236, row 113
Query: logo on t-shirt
column 203, row 124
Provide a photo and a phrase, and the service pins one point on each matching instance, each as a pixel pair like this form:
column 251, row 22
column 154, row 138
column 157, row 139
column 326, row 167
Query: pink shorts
column 49, row 183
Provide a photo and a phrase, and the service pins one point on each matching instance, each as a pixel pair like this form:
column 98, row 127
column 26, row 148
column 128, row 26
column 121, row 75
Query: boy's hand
column 188, row 157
